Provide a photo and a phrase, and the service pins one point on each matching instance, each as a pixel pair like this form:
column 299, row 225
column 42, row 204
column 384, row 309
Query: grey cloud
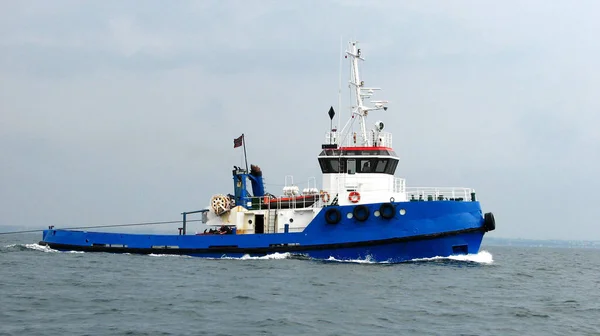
column 115, row 112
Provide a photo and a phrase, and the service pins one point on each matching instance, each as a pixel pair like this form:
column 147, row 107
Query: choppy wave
column 431, row 296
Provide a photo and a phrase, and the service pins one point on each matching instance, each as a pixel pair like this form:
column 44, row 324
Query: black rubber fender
column 333, row 215
column 489, row 222
column 361, row 212
column 387, row 210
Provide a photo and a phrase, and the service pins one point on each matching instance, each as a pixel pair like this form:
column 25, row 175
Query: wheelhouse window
column 333, row 165
column 360, row 166
column 365, row 166
column 380, row 165
column 351, row 166
column 391, row 167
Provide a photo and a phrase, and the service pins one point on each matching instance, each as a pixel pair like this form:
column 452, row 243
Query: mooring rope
column 102, row 226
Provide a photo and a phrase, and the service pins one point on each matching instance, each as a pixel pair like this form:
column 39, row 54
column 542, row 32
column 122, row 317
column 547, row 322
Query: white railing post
column 437, row 193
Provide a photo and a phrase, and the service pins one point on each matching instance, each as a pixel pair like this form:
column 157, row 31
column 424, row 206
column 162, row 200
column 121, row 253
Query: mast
column 340, row 84
column 360, row 111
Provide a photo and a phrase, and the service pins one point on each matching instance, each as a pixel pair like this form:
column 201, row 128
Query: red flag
column 238, row 142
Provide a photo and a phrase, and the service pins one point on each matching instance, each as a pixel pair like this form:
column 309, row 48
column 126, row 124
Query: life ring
column 333, row 215
column 354, row 197
column 387, row 210
column 361, row 212
column 325, row 196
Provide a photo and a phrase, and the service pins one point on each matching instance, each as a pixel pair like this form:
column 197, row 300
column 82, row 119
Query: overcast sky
column 125, row 111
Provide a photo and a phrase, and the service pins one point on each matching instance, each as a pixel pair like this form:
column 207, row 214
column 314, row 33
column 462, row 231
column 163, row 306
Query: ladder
column 272, row 219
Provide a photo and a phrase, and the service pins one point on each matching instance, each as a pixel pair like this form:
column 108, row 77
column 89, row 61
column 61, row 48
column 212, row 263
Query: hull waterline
column 390, row 250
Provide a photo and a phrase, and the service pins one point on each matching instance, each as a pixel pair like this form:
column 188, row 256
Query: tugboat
column 362, row 210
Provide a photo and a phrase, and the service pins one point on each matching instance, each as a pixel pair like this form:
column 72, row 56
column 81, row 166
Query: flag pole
column 245, row 157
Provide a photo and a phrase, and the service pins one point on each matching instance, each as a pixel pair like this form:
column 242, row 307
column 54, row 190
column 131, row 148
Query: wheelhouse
column 358, row 160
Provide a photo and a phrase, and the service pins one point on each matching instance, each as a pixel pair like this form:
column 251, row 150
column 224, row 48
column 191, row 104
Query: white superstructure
column 361, row 162
column 358, row 167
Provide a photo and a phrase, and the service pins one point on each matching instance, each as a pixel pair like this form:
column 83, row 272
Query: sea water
column 499, row 291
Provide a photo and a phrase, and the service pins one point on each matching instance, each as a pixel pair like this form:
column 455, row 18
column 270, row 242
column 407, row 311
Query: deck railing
column 440, row 194
column 399, row 185
column 290, row 202
column 412, row 194
column 352, row 139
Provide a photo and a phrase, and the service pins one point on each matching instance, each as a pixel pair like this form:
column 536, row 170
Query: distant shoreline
column 493, row 241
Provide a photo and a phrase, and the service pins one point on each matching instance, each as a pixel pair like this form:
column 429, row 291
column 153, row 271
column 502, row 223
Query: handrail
column 304, row 201
column 383, row 139
column 440, row 193
column 301, row 201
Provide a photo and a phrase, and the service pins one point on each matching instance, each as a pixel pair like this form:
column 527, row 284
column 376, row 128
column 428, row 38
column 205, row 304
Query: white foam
column 273, row 256
column 42, row 248
column 38, row 247
column 166, row 255
column 483, row 257
column 367, row 260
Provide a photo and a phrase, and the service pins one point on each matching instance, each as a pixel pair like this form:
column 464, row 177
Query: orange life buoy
column 354, row 197
column 325, row 196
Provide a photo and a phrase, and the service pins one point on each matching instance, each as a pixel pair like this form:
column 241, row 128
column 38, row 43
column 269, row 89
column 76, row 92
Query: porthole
column 291, row 220
column 402, row 212
column 349, row 215
column 249, row 221
column 376, row 213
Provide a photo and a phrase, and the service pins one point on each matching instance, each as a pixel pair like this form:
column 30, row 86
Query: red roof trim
column 365, row 148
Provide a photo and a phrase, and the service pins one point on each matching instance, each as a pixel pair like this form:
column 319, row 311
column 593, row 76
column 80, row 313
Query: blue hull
column 426, row 229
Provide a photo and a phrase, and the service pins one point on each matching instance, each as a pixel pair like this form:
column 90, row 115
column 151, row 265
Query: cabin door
column 259, row 225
